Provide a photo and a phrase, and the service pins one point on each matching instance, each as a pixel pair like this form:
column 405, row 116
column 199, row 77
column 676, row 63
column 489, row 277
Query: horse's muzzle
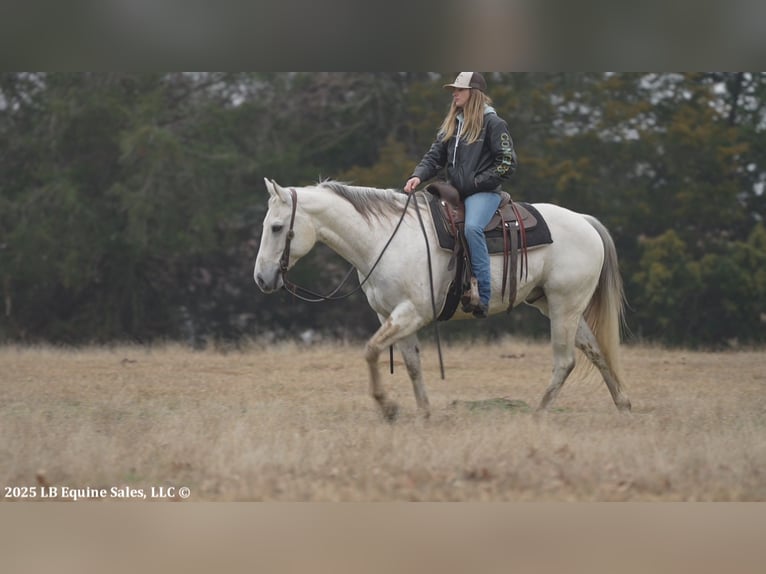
column 268, row 284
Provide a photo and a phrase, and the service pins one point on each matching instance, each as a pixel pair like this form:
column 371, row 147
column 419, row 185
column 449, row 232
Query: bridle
column 308, row 295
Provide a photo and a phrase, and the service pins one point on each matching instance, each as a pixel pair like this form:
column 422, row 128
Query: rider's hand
column 411, row 184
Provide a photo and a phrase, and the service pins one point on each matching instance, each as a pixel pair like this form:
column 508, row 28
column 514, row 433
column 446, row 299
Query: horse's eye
column 276, row 228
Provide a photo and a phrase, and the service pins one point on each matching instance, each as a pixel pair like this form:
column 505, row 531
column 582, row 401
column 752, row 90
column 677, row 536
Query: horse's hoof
column 390, row 412
column 624, row 406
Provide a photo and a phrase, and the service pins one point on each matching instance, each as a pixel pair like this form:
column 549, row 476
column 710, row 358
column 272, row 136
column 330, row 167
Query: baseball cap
column 469, row 80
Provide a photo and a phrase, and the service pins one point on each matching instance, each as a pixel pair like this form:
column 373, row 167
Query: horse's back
column 577, row 248
column 566, row 224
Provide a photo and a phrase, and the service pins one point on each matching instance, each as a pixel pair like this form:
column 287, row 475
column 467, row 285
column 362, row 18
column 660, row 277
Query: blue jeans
column 479, row 209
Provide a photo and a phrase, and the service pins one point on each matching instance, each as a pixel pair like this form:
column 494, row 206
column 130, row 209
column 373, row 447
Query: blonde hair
column 473, row 118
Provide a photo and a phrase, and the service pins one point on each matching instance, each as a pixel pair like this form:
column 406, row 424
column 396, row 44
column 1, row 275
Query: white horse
column 574, row 281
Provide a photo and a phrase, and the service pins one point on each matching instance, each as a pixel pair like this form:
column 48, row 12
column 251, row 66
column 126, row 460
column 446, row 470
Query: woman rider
column 475, row 146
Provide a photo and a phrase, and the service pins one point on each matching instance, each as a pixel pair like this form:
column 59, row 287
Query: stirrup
column 481, row 311
column 470, row 298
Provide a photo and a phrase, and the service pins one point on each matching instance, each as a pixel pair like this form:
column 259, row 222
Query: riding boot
column 481, row 311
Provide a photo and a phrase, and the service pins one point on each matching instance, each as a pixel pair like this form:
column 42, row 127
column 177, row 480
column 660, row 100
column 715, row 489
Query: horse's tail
column 605, row 313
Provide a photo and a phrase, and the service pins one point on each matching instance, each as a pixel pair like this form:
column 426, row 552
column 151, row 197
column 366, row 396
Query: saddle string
column 524, row 264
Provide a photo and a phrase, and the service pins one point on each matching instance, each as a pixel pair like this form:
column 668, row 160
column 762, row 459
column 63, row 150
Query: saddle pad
column 538, row 235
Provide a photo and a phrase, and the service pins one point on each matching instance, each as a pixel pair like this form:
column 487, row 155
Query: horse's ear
column 269, row 186
column 281, row 192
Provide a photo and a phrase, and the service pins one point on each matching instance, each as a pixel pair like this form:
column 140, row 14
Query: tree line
column 131, row 204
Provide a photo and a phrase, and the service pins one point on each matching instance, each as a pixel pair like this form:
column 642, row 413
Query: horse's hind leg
column 411, row 354
column 588, row 344
column 562, row 341
column 563, row 328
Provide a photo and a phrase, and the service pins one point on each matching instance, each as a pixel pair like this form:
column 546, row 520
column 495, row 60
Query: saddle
column 508, row 212
column 509, row 227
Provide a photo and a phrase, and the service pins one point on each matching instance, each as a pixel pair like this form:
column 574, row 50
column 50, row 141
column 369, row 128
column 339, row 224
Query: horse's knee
column 371, row 354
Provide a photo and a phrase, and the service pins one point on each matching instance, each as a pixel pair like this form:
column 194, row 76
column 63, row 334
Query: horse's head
column 274, row 239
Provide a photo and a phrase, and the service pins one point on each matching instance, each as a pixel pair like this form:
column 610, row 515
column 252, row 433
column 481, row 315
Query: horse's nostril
column 259, row 280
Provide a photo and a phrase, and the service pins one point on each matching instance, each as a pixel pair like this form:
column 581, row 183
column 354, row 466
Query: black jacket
column 480, row 166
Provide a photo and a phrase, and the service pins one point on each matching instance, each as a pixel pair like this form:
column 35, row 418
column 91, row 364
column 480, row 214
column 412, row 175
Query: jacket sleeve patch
column 505, row 161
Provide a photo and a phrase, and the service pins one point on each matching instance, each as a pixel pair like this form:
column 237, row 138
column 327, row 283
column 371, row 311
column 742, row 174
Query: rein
column 312, row 297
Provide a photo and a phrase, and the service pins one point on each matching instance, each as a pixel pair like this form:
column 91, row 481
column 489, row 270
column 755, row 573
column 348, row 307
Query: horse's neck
column 345, row 231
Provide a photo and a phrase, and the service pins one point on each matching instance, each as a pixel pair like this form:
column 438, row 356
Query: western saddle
column 511, row 220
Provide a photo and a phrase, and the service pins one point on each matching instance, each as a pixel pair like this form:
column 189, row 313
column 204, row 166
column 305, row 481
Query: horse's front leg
column 410, row 350
column 401, row 323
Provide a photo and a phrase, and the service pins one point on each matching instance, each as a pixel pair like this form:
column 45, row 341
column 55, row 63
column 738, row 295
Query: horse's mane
column 368, row 201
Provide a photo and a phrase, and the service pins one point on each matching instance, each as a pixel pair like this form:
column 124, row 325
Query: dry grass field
column 292, row 423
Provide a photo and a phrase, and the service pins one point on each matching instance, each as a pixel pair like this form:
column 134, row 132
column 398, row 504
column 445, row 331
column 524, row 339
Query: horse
column 574, row 281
